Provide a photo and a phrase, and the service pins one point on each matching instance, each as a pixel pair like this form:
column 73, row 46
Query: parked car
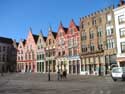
column 118, row 73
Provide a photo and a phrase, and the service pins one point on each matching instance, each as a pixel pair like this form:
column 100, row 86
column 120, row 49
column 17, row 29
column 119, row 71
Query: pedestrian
column 61, row 74
column 2, row 70
column 58, row 74
column 65, row 74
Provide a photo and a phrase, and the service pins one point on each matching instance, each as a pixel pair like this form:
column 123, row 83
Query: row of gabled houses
column 92, row 48
column 59, row 50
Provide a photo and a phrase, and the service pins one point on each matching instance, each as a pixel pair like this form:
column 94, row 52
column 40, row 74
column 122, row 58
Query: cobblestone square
column 31, row 83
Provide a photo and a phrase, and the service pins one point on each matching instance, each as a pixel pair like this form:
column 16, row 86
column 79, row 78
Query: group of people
column 62, row 74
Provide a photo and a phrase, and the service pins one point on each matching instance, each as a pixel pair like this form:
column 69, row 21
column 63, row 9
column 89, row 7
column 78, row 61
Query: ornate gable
column 72, row 27
column 51, row 41
column 41, row 41
column 30, row 42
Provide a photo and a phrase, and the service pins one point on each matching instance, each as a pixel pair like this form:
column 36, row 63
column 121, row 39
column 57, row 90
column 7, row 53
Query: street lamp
column 49, row 72
column 58, row 71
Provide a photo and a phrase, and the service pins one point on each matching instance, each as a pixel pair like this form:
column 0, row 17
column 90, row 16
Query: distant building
column 26, row 56
column 51, row 51
column 61, row 48
column 41, row 53
column 7, row 54
column 119, row 14
column 73, row 48
column 98, row 42
column 21, row 56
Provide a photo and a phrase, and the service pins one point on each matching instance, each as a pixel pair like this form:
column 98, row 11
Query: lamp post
column 49, row 72
column 99, row 67
column 58, row 72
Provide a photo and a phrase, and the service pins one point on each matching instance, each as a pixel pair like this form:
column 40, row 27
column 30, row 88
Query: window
column 39, row 40
column 122, row 47
column 84, row 36
column 60, row 34
column 37, row 57
column 63, row 53
column 121, row 19
column 91, row 47
column 72, row 31
column 110, row 43
column 59, row 54
column 84, row 48
column 70, row 52
column 100, row 19
column 30, row 46
column 83, row 25
column 29, row 56
column 21, row 58
column 74, row 41
column 0, row 48
column 94, row 21
column 42, row 56
column 8, row 49
column 109, row 17
column 18, row 58
column 109, row 31
column 75, row 51
column 122, row 32
column 99, row 32
column 70, row 42
column 100, row 44
column 20, row 46
column 49, row 41
column 21, row 52
column 91, row 35
column 53, row 53
column 3, row 48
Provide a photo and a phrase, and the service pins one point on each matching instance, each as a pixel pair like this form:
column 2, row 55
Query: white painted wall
column 117, row 12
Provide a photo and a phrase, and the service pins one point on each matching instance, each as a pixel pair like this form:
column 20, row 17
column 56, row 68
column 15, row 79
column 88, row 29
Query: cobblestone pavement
column 31, row 83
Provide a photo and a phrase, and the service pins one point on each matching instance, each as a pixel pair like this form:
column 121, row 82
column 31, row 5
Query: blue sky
column 17, row 16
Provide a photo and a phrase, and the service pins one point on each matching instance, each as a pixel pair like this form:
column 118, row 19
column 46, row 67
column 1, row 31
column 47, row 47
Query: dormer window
column 72, row 31
column 49, row 41
column 20, row 46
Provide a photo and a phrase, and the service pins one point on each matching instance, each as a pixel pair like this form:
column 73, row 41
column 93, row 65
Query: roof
column 44, row 38
column 24, row 41
column 6, row 40
column 54, row 34
column 17, row 43
column 65, row 29
column 77, row 27
column 35, row 37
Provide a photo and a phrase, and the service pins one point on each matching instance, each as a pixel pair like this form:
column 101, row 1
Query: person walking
column 58, row 75
column 61, row 74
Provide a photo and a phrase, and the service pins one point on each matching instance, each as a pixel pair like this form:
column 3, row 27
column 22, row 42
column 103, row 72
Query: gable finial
column 50, row 28
column 41, row 32
column 30, row 29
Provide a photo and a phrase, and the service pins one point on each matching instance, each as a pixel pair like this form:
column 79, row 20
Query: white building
column 119, row 14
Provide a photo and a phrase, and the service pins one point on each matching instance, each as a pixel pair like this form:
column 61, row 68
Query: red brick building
column 73, row 48
column 27, row 54
column 61, row 48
